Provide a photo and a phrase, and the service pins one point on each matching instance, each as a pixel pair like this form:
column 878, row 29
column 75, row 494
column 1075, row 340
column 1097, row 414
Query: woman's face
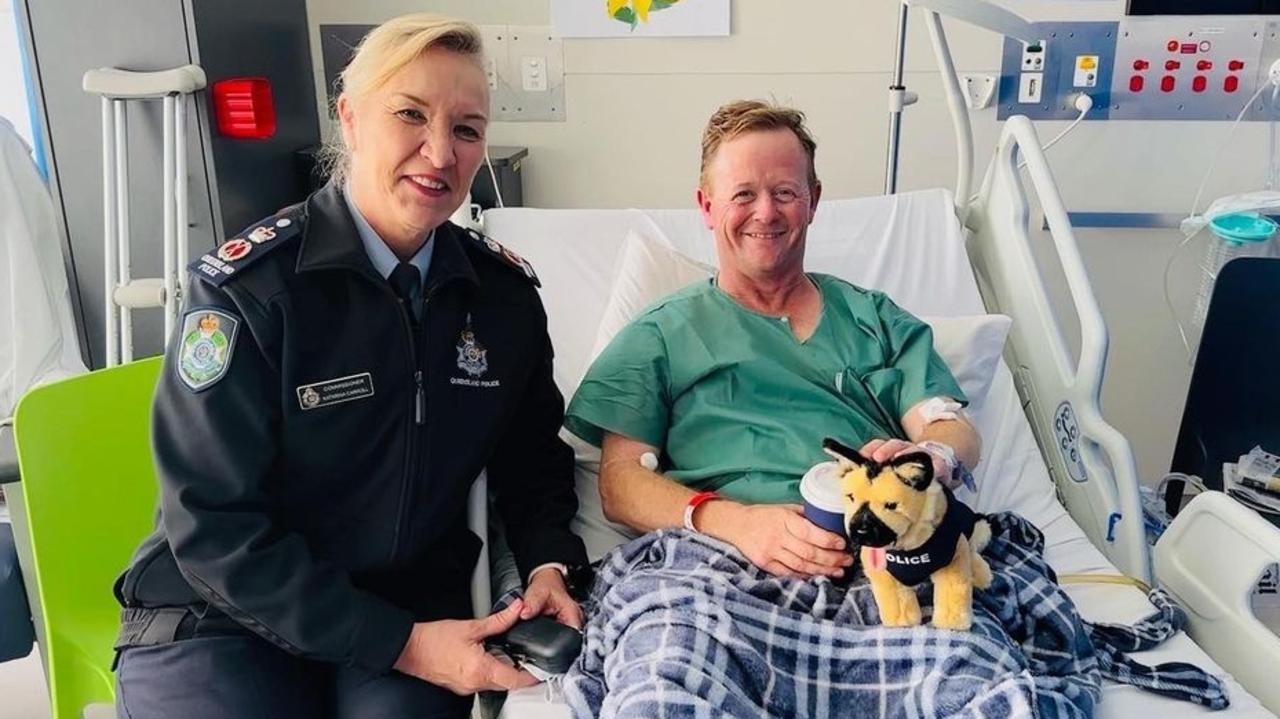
column 416, row 142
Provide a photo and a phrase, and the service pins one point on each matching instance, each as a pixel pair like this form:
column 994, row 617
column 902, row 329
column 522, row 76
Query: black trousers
column 243, row 676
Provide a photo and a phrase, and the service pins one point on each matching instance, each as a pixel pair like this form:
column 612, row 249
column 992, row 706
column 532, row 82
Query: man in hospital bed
column 735, row 381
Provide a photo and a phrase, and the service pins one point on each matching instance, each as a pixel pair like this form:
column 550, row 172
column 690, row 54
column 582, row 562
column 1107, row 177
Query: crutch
column 123, row 293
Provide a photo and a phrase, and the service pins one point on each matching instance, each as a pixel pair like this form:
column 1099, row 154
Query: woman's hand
column 778, row 539
column 451, row 654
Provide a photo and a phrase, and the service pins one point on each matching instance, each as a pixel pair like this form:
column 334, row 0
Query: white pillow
column 971, row 346
column 648, row 270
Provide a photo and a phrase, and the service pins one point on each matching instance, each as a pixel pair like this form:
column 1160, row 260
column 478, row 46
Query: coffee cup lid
column 820, row 486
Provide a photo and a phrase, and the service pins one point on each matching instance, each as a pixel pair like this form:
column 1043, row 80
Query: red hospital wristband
column 694, row 502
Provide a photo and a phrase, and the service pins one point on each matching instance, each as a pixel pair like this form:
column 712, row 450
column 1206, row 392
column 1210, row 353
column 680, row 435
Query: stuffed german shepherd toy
column 910, row 528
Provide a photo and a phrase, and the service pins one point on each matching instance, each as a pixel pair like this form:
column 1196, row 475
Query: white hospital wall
column 635, row 109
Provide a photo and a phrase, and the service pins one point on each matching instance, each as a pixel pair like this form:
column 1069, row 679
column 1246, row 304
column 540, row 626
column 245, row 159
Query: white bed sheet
column 910, row 246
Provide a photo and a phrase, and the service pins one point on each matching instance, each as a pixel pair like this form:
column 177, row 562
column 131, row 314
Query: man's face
column 417, row 141
column 758, row 202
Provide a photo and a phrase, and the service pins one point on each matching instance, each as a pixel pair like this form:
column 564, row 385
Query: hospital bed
column 1048, row 453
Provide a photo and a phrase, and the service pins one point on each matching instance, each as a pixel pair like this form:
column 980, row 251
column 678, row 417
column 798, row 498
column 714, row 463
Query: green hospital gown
column 739, row 405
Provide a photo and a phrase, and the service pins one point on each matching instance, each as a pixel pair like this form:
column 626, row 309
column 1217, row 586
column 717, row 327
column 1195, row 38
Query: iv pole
column 975, row 12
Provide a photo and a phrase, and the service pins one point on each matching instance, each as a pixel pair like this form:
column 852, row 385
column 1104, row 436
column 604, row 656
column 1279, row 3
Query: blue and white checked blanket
column 680, row 624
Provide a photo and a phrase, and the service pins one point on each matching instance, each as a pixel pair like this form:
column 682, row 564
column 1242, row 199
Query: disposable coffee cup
column 823, row 504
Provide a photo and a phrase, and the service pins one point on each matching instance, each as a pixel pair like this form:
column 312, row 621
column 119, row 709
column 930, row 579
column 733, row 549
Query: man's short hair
column 743, row 116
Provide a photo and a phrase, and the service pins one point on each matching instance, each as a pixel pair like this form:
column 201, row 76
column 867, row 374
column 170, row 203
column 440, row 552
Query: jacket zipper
column 412, row 462
column 413, row 433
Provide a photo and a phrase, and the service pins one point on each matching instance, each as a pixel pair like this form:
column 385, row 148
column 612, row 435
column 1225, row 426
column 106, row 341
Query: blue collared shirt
column 383, row 259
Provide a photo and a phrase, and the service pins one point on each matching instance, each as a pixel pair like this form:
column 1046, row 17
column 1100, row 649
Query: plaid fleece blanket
column 680, row 624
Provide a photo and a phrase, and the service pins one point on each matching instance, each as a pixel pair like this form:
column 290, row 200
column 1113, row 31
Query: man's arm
column 776, row 538
column 637, row 497
column 958, row 434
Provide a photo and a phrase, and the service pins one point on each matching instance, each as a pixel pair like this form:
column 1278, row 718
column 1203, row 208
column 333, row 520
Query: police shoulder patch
column 248, row 247
column 207, row 340
column 504, row 255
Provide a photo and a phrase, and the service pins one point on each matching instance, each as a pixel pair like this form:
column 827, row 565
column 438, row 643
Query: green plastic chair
column 89, row 489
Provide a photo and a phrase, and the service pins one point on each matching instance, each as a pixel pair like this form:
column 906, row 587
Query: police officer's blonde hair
column 743, row 116
column 384, row 52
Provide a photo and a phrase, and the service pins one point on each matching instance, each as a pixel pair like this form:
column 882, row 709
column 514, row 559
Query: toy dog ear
column 915, row 469
column 848, row 457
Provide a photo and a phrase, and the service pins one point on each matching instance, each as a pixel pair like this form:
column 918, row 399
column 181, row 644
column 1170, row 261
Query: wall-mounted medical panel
column 1175, row 67
column 1042, row 80
column 1186, row 67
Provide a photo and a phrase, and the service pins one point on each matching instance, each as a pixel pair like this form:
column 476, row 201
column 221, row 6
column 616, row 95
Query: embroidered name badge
column 208, row 338
column 335, row 391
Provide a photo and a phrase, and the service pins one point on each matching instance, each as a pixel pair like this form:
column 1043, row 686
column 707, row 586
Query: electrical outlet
column 1030, row 87
column 533, row 74
column 979, row 88
column 1086, row 73
column 525, row 73
column 1033, row 56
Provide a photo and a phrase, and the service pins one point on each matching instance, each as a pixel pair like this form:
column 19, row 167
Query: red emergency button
column 1141, row 65
column 1172, row 46
column 1199, row 83
column 1135, row 83
column 1204, row 65
column 1172, row 65
column 1231, row 84
column 1235, row 65
column 1167, row 83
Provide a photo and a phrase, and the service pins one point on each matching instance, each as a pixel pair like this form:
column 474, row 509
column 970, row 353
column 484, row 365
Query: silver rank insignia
column 471, row 354
column 208, row 338
column 262, row 234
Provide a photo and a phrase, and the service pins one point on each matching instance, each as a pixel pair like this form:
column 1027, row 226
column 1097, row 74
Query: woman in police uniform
column 345, row 369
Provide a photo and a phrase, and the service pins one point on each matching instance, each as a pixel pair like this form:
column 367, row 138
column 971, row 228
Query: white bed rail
column 1214, row 586
column 1091, row 463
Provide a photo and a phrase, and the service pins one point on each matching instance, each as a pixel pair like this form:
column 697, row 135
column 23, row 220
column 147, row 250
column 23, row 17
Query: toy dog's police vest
column 916, row 565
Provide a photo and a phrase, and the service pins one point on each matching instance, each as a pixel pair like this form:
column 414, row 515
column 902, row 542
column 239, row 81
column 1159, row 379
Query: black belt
column 141, row 627
column 152, row 626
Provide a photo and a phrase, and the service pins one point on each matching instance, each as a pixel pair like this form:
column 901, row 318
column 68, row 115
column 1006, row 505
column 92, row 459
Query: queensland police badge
column 208, row 337
column 471, row 354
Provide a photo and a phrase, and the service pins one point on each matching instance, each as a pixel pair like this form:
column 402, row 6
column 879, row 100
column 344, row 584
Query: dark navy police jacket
column 315, row 446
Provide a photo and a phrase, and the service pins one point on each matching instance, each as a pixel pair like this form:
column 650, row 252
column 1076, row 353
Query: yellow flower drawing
column 633, row 12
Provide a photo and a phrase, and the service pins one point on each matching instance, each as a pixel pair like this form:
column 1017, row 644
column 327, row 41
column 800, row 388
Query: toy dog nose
column 862, row 523
column 867, row 530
